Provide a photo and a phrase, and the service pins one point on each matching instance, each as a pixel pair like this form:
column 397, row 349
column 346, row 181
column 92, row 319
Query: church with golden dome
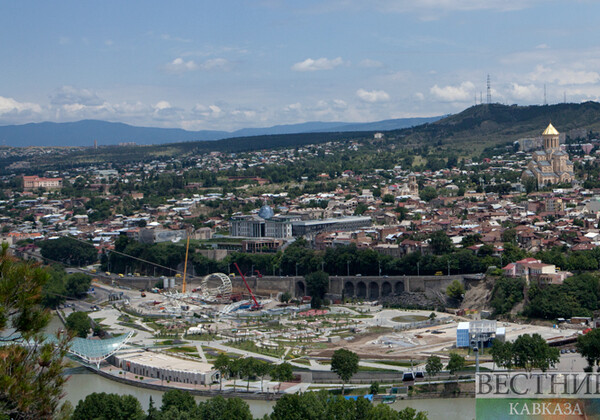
column 551, row 165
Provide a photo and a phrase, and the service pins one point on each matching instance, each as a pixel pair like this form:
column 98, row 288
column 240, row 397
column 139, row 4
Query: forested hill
column 486, row 125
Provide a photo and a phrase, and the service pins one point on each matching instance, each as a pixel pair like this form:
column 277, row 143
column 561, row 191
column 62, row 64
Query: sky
column 225, row 65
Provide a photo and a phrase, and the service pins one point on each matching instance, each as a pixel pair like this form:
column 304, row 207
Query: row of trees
column 434, row 364
column 180, row 405
column 344, row 363
column 526, row 352
column 250, row 367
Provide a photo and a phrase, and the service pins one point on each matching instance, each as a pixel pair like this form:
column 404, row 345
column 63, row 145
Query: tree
column 360, row 209
column 588, row 345
column 345, row 364
column 374, row 388
column 247, row 369
column 179, row 399
column 433, row 366
column 31, row 380
column 219, row 408
column 322, row 405
column 509, row 236
column 103, row 406
column 79, row 323
column 153, row 412
column 502, row 354
column 455, row 290
column 77, row 285
column 282, row 373
column 428, row 193
column 317, row 283
column 507, row 292
column 221, row 364
column 285, row 297
column 388, row 198
column 456, row 363
column 533, row 352
column 261, row 369
column 235, row 368
column 69, row 251
column 440, row 243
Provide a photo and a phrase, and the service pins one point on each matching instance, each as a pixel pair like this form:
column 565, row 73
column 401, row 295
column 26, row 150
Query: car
column 359, row 275
column 439, row 273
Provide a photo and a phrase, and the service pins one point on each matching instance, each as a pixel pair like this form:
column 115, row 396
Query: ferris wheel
column 216, row 284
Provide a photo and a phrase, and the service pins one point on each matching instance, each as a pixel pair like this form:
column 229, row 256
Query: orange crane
column 256, row 304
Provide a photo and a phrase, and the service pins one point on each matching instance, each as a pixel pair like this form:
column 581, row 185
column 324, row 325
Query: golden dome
column 550, row 131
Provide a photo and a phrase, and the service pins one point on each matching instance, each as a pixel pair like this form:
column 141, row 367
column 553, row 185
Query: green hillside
column 482, row 126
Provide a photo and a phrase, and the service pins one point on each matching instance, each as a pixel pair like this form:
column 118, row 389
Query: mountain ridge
column 85, row 132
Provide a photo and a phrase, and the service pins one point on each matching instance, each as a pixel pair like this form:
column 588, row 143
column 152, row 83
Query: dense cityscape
column 299, row 210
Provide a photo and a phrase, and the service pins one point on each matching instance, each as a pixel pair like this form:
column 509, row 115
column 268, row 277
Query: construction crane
column 256, row 304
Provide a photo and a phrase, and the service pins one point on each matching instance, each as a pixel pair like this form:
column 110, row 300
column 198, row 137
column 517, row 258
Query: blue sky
column 231, row 64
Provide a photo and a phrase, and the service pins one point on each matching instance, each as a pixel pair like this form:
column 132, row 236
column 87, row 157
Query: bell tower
column 550, row 136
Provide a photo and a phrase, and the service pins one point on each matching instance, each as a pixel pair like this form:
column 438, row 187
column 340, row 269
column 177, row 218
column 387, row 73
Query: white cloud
column 293, row 107
column 564, row 76
column 69, row 95
column 161, row 105
column 373, row 95
column 339, row 104
column 11, row 106
column 108, row 42
column 419, row 96
column 216, row 64
column 372, row 64
column 463, row 92
column 525, row 92
column 319, row 64
column 179, row 65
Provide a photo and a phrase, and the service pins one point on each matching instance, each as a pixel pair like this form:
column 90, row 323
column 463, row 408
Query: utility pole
column 379, row 262
column 448, row 267
column 418, row 264
column 296, row 269
column 348, row 268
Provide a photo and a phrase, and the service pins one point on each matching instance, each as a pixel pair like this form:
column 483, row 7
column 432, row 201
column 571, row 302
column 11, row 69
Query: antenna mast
column 489, row 90
column 545, row 103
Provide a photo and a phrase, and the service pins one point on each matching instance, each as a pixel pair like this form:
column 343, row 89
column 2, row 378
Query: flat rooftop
column 164, row 361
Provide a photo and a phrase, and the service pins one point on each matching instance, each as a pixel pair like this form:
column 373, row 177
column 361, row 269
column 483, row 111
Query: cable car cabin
column 408, row 376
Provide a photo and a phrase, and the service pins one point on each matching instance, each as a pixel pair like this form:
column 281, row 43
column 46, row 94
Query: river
column 83, row 382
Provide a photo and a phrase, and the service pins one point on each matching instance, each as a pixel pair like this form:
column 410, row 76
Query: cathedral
column 551, row 165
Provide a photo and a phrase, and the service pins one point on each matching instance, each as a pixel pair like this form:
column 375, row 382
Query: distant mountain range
column 83, row 133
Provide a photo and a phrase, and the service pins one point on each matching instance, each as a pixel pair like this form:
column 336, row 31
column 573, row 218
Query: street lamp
column 296, row 269
column 348, row 268
column 418, row 265
column 379, row 262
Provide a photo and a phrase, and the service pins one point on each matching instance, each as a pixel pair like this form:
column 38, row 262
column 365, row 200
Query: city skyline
column 230, row 65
